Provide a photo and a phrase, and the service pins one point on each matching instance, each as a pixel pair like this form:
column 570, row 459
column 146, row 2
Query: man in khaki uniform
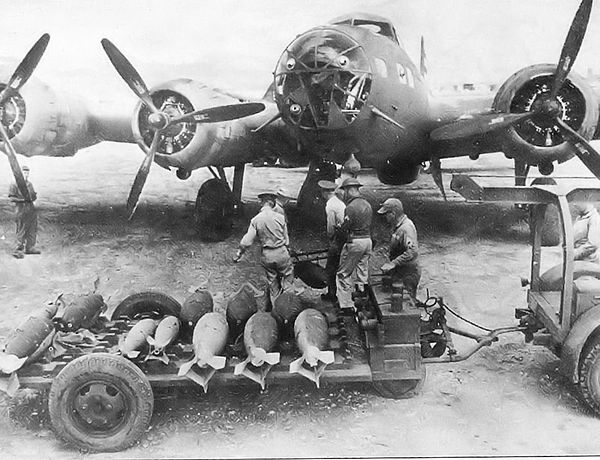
column 404, row 247
column 270, row 228
column 358, row 246
column 334, row 212
column 25, row 217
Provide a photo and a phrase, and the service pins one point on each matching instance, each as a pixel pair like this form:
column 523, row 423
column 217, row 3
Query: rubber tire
column 400, row 389
column 147, row 302
column 121, row 373
column 214, row 211
column 589, row 376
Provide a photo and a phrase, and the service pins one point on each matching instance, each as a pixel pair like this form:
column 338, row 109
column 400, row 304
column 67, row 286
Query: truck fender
column 575, row 340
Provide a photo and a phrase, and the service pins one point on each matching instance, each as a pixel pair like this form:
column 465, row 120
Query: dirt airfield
column 507, row 400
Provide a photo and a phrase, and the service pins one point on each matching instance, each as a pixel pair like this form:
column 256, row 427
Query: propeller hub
column 158, row 120
column 547, row 106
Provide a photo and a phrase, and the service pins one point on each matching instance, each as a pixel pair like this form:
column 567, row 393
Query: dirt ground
column 507, row 400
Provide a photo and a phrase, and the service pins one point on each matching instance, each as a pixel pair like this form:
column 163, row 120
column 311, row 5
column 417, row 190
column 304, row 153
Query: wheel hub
column 100, row 406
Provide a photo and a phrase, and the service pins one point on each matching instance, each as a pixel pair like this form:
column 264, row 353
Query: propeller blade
column 572, row 45
column 14, row 164
column 583, row 149
column 141, row 176
column 586, row 153
column 128, row 73
column 221, row 113
column 478, row 125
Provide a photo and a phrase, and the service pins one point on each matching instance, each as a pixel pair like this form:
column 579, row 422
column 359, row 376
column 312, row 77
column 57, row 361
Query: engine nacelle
column 398, row 174
column 538, row 140
column 190, row 145
column 42, row 121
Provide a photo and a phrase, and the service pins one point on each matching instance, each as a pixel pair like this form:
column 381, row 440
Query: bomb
column 82, row 313
column 311, row 332
column 260, row 338
column 137, row 338
column 165, row 334
column 195, row 307
column 241, row 306
column 311, row 274
column 209, row 340
column 286, row 308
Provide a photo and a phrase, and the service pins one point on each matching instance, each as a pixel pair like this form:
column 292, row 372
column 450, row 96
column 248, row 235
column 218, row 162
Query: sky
column 234, row 45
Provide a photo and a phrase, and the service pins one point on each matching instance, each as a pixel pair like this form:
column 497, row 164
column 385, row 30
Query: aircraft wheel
column 151, row 304
column 100, row 402
column 214, row 210
column 400, row 389
column 589, row 376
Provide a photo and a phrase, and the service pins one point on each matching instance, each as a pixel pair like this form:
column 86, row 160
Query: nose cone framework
column 322, row 80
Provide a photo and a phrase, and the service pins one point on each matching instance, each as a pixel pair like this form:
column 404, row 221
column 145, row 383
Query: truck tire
column 100, row 402
column 155, row 304
column 400, row 389
column 589, row 376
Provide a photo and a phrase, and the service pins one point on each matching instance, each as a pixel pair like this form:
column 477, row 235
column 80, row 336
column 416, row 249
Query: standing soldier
column 358, row 246
column 404, row 248
column 271, row 229
column 334, row 210
column 26, row 217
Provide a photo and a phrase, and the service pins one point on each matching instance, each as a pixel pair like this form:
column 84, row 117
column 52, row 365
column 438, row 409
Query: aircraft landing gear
column 217, row 204
column 310, row 202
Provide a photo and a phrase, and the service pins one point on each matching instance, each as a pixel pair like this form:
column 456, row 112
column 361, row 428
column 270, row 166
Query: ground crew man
column 586, row 231
column 358, row 246
column 334, row 211
column 271, row 229
column 404, row 248
column 25, row 216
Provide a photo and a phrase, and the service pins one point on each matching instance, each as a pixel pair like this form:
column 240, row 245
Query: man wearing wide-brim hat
column 358, row 246
column 270, row 228
column 404, row 248
column 334, row 212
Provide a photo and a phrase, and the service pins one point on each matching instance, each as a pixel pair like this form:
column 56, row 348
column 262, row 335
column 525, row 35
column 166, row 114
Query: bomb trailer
column 102, row 401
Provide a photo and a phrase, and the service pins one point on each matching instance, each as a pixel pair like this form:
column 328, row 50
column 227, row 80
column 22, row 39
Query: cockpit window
column 322, row 80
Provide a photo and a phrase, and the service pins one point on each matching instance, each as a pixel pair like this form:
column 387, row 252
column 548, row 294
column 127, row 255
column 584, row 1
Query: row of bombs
column 30, row 340
column 209, row 330
column 245, row 316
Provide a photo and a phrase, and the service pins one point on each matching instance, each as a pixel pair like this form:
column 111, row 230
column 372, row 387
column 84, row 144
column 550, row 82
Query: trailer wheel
column 589, row 377
column 154, row 304
column 400, row 389
column 100, row 402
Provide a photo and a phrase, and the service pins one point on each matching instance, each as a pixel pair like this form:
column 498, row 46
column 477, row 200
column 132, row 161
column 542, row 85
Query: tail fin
column 314, row 372
column 10, row 363
column 186, row 367
column 259, row 376
column 202, row 377
column 259, row 356
column 10, row 384
column 162, row 357
column 216, row 362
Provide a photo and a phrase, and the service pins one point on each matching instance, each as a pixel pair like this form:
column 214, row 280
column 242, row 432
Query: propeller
column 160, row 120
column 15, row 83
column 549, row 107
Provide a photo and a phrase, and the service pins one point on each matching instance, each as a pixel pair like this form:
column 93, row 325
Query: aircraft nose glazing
column 322, row 80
